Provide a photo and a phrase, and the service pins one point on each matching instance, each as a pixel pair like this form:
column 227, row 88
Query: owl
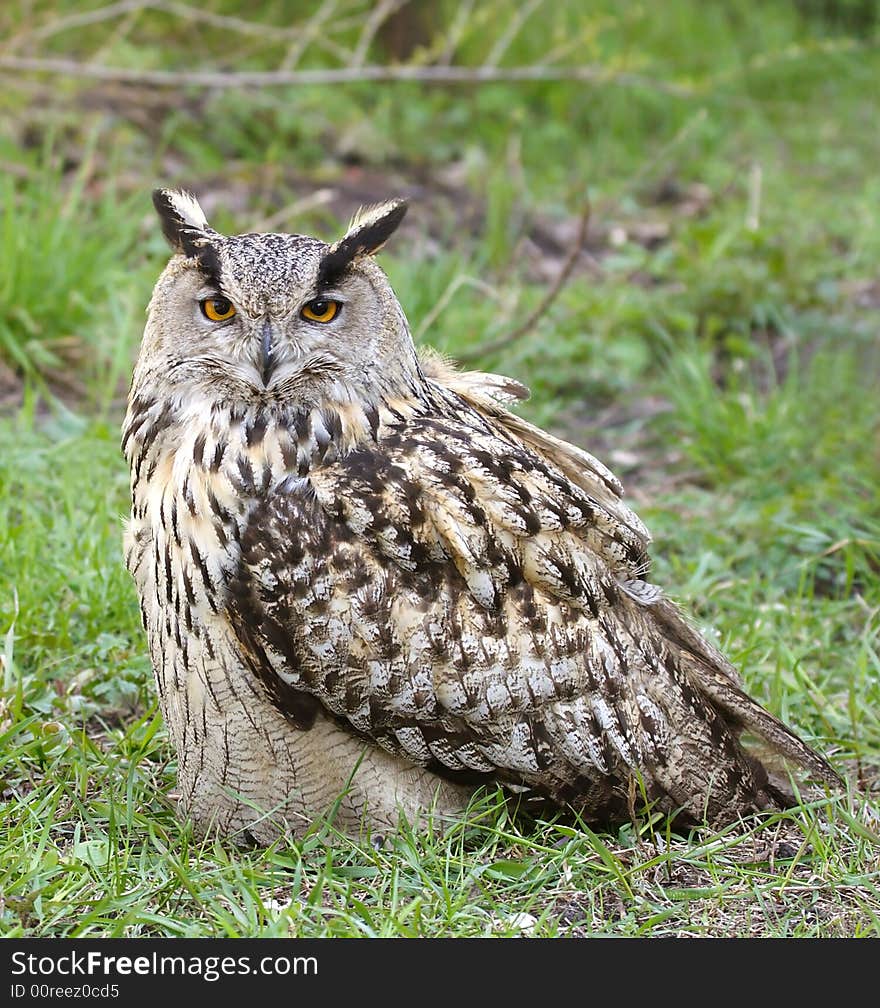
column 370, row 589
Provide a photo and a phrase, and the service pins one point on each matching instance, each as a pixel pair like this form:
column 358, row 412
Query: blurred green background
column 716, row 341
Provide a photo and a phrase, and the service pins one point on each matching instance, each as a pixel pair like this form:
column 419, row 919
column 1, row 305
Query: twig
column 649, row 166
column 308, row 32
column 182, row 10
column 504, row 41
column 577, row 248
column 80, row 20
column 548, row 299
column 454, row 286
column 321, row 197
column 575, row 42
column 198, row 15
column 376, row 18
column 338, row 75
column 297, row 36
column 456, row 31
column 120, row 31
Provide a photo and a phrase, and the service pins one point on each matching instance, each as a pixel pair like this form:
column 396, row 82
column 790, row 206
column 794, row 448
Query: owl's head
column 275, row 319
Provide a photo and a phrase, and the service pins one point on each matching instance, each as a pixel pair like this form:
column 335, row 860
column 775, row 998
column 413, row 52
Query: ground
column 715, row 343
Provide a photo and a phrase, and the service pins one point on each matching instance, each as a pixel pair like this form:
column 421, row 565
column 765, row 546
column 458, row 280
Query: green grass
column 64, row 294
column 727, row 370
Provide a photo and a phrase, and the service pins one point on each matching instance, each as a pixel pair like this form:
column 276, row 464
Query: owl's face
column 273, row 318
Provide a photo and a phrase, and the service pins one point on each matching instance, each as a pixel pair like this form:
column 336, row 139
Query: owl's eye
column 217, row 309
column 320, row 310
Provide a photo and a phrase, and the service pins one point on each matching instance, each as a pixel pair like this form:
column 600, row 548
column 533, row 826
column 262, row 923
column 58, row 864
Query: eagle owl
column 369, row 587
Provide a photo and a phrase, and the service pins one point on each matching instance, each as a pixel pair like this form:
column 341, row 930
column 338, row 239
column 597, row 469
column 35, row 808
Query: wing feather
column 455, row 595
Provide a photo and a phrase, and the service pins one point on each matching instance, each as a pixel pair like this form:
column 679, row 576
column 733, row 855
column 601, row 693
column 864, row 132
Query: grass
column 726, row 367
column 62, row 256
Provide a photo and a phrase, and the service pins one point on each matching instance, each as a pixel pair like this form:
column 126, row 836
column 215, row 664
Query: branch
column 456, row 31
column 80, row 20
column 176, row 9
column 580, row 240
column 308, row 33
column 374, row 21
column 562, row 278
column 504, row 41
column 321, row 197
column 339, row 75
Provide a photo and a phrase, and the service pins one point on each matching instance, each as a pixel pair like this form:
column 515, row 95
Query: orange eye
column 217, row 309
column 320, row 310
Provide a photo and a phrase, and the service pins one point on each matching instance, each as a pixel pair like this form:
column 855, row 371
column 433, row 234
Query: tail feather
column 718, row 680
column 749, row 715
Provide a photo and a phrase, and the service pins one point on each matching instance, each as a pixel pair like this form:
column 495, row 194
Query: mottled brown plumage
column 361, row 575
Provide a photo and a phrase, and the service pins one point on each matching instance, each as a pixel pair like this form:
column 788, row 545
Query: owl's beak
column 266, row 351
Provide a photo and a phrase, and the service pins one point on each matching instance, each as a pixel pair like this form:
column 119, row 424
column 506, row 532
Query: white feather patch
column 188, row 207
column 368, row 215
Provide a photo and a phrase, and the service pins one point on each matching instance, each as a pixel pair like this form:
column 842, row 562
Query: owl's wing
column 453, row 595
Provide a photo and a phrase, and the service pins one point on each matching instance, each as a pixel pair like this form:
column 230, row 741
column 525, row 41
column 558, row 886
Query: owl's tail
column 718, row 681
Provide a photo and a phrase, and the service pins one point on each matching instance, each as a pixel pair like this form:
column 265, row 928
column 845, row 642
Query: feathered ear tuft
column 183, row 220
column 185, row 226
column 370, row 228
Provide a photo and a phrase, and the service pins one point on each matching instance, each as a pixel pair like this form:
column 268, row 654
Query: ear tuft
column 391, row 211
column 183, row 220
column 186, row 228
column 370, row 228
